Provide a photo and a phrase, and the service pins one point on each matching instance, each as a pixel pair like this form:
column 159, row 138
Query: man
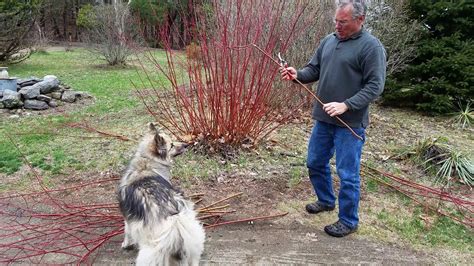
column 350, row 66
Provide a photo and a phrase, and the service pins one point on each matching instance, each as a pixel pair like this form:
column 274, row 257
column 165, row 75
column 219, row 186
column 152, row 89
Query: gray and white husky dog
column 158, row 219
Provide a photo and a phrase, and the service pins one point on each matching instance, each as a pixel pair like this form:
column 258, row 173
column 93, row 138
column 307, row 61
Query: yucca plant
column 464, row 117
column 454, row 163
column 429, row 148
column 416, row 153
column 436, row 154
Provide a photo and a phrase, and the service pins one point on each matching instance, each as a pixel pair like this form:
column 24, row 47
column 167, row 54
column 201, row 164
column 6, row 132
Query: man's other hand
column 335, row 108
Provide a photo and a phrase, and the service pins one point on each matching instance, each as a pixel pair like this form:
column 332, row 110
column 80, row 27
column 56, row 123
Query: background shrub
column 442, row 73
column 109, row 31
column 16, row 20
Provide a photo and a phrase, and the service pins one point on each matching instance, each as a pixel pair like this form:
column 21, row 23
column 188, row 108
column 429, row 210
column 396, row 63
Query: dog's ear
column 160, row 144
column 153, row 128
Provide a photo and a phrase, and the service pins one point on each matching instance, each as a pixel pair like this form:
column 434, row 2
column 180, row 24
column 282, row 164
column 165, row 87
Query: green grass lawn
column 113, row 92
column 84, row 72
column 60, row 151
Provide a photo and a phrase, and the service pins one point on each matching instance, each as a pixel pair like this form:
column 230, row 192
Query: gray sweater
column 350, row 71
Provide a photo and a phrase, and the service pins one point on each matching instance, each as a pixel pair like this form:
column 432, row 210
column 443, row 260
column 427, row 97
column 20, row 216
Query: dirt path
column 296, row 244
column 269, row 243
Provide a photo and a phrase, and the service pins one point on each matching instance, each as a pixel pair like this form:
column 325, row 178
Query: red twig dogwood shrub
column 226, row 95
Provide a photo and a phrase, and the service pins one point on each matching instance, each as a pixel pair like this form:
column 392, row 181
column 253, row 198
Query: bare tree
column 319, row 24
column 318, row 19
column 388, row 20
column 111, row 32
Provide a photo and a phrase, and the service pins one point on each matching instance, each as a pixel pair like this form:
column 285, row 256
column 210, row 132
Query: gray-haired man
column 350, row 65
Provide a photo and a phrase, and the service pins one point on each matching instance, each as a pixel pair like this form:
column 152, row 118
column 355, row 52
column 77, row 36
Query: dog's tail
column 180, row 241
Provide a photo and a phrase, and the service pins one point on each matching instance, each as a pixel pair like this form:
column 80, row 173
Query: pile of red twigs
column 51, row 226
column 47, row 227
column 212, row 214
column 427, row 197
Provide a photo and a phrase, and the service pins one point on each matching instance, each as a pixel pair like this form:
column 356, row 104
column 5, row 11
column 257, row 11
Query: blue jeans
column 325, row 140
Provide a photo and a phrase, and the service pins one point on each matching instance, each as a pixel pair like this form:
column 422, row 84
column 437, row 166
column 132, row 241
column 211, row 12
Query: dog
column 159, row 221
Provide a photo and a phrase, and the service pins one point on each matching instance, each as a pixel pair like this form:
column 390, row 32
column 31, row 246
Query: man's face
column 346, row 26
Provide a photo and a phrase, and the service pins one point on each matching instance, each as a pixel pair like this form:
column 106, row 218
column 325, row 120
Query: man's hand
column 335, row 108
column 288, row 73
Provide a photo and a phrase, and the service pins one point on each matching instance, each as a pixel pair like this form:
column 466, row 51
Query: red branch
column 247, row 220
column 94, row 130
column 226, row 95
column 420, row 194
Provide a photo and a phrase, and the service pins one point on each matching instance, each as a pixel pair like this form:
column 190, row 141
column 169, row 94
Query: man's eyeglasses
column 343, row 22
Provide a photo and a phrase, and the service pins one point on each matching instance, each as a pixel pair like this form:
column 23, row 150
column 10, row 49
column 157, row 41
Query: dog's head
column 158, row 144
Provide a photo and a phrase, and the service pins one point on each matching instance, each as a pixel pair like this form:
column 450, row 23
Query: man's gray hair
column 360, row 8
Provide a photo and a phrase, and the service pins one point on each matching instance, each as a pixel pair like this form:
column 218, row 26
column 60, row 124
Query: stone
column 28, row 81
column 30, row 92
column 53, row 104
column 47, row 86
column 35, row 105
column 69, row 96
column 50, row 77
column 11, row 99
column 84, row 95
column 39, row 94
column 55, row 95
column 43, row 98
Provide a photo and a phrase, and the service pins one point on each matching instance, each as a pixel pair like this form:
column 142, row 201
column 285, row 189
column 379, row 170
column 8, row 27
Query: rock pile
column 39, row 94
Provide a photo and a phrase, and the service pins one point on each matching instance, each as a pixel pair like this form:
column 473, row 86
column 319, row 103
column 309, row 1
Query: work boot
column 317, row 207
column 339, row 229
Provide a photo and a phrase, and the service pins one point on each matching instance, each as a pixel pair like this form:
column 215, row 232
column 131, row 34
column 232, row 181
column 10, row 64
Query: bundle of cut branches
column 53, row 226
